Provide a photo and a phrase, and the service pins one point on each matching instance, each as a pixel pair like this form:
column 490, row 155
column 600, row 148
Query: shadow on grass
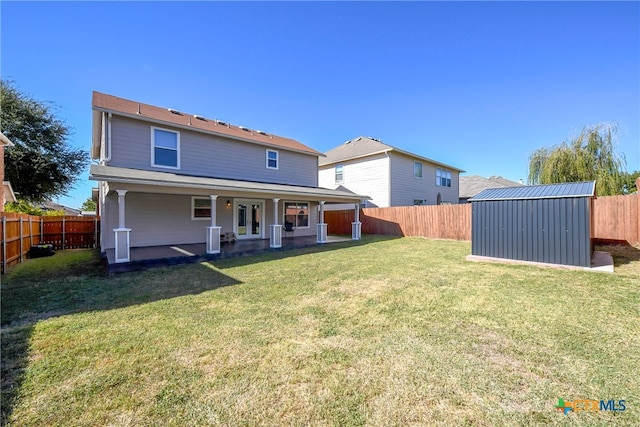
column 621, row 251
column 75, row 282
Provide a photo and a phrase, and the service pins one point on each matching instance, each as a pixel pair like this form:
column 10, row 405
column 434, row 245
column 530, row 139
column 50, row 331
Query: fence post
column 21, row 232
column 95, row 232
column 63, row 232
column 41, row 230
column 4, row 244
column 30, row 231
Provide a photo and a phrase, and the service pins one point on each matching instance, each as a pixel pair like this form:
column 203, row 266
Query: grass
column 390, row 332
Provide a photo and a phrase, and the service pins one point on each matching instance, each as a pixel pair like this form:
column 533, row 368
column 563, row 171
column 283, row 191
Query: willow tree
column 590, row 156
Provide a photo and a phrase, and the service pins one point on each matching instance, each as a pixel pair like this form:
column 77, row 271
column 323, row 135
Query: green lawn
column 386, row 332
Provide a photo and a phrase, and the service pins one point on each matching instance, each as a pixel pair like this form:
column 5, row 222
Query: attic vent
column 173, row 111
column 221, row 123
column 261, row 132
column 347, row 142
column 199, row 117
column 244, row 128
column 374, row 139
column 357, row 139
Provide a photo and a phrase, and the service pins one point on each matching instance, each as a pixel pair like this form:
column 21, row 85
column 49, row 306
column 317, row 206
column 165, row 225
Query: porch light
column 228, row 202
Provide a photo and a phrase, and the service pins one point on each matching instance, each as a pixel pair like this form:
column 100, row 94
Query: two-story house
column 167, row 177
column 388, row 175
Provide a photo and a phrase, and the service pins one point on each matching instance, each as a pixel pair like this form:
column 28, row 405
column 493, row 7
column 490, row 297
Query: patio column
column 322, row 227
column 213, row 232
column 122, row 245
column 356, row 226
column 275, row 230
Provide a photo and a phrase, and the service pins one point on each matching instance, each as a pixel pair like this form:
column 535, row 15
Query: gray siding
column 405, row 187
column 368, row 176
column 165, row 219
column 209, row 155
column 556, row 231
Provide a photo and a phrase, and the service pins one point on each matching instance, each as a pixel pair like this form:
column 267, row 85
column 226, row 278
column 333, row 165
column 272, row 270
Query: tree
column 88, row 205
column 589, row 156
column 42, row 165
column 629, row 182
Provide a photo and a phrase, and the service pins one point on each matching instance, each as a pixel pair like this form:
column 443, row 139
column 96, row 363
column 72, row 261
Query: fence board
column 617, row 218
column 19, row 232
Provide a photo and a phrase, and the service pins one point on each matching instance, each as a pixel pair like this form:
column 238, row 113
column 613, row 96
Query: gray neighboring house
column 475, row 184
column 166, row 177
column 388, row 175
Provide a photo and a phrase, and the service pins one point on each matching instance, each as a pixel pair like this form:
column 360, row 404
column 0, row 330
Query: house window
column 443, row 178
column 200, row 208
column 417, row 169
column 296, row 214
column 418, row 202
column 165, row 148
column 339, row 174
column 272, row 159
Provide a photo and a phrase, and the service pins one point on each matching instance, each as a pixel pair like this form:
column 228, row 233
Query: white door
column 248, row 221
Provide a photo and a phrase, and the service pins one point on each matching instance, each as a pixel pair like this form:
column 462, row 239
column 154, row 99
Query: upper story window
column 417, row 169
column 272, row 159
column 165, row 148
column 339, row 174
column 443, row 178
column 200, row 208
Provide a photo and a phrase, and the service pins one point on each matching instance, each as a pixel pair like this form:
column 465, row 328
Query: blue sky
column 475, row 85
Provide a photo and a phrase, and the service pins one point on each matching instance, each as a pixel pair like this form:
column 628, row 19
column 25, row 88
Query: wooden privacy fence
column 617, row 218
column 613, row 217
column 436, row 222
column 19, row 232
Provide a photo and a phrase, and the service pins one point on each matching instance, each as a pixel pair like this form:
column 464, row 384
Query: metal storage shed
column 541, row 223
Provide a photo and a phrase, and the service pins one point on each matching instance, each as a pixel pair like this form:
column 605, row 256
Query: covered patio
column 158, row 256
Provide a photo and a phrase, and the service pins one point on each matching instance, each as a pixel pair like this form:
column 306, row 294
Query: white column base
column 122, row 249
column 356, row 230
column 322, row 233
column 275, row 236
column 213, row 240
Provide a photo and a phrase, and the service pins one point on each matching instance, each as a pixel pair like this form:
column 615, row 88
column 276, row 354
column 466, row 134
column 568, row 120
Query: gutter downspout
column 107, row 147
column 386, row 153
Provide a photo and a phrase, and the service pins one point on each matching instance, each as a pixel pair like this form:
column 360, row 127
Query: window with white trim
column 296, row 214
column 165, row 148
column 418, row 202
column 417, row 169
column 200, row 207
column 339, row 172
column 272, row 159
column 443, row 178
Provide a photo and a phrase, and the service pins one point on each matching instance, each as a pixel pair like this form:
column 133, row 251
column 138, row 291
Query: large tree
column 587, row 157
column 42, row 165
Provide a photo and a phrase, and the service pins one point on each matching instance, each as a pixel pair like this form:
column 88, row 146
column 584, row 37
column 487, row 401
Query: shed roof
column 546, row 191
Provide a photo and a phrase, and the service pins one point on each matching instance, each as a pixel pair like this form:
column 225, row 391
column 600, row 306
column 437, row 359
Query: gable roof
column 545, row 191
column 474, row 184
column 363, row 146
column 4, row 141
column 167, row 116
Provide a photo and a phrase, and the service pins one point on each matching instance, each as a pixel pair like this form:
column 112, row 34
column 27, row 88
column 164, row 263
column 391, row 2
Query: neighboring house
column 475, row 184
column 388, row 175
column 6, row 192
column 51, row 206
column 167, row 177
